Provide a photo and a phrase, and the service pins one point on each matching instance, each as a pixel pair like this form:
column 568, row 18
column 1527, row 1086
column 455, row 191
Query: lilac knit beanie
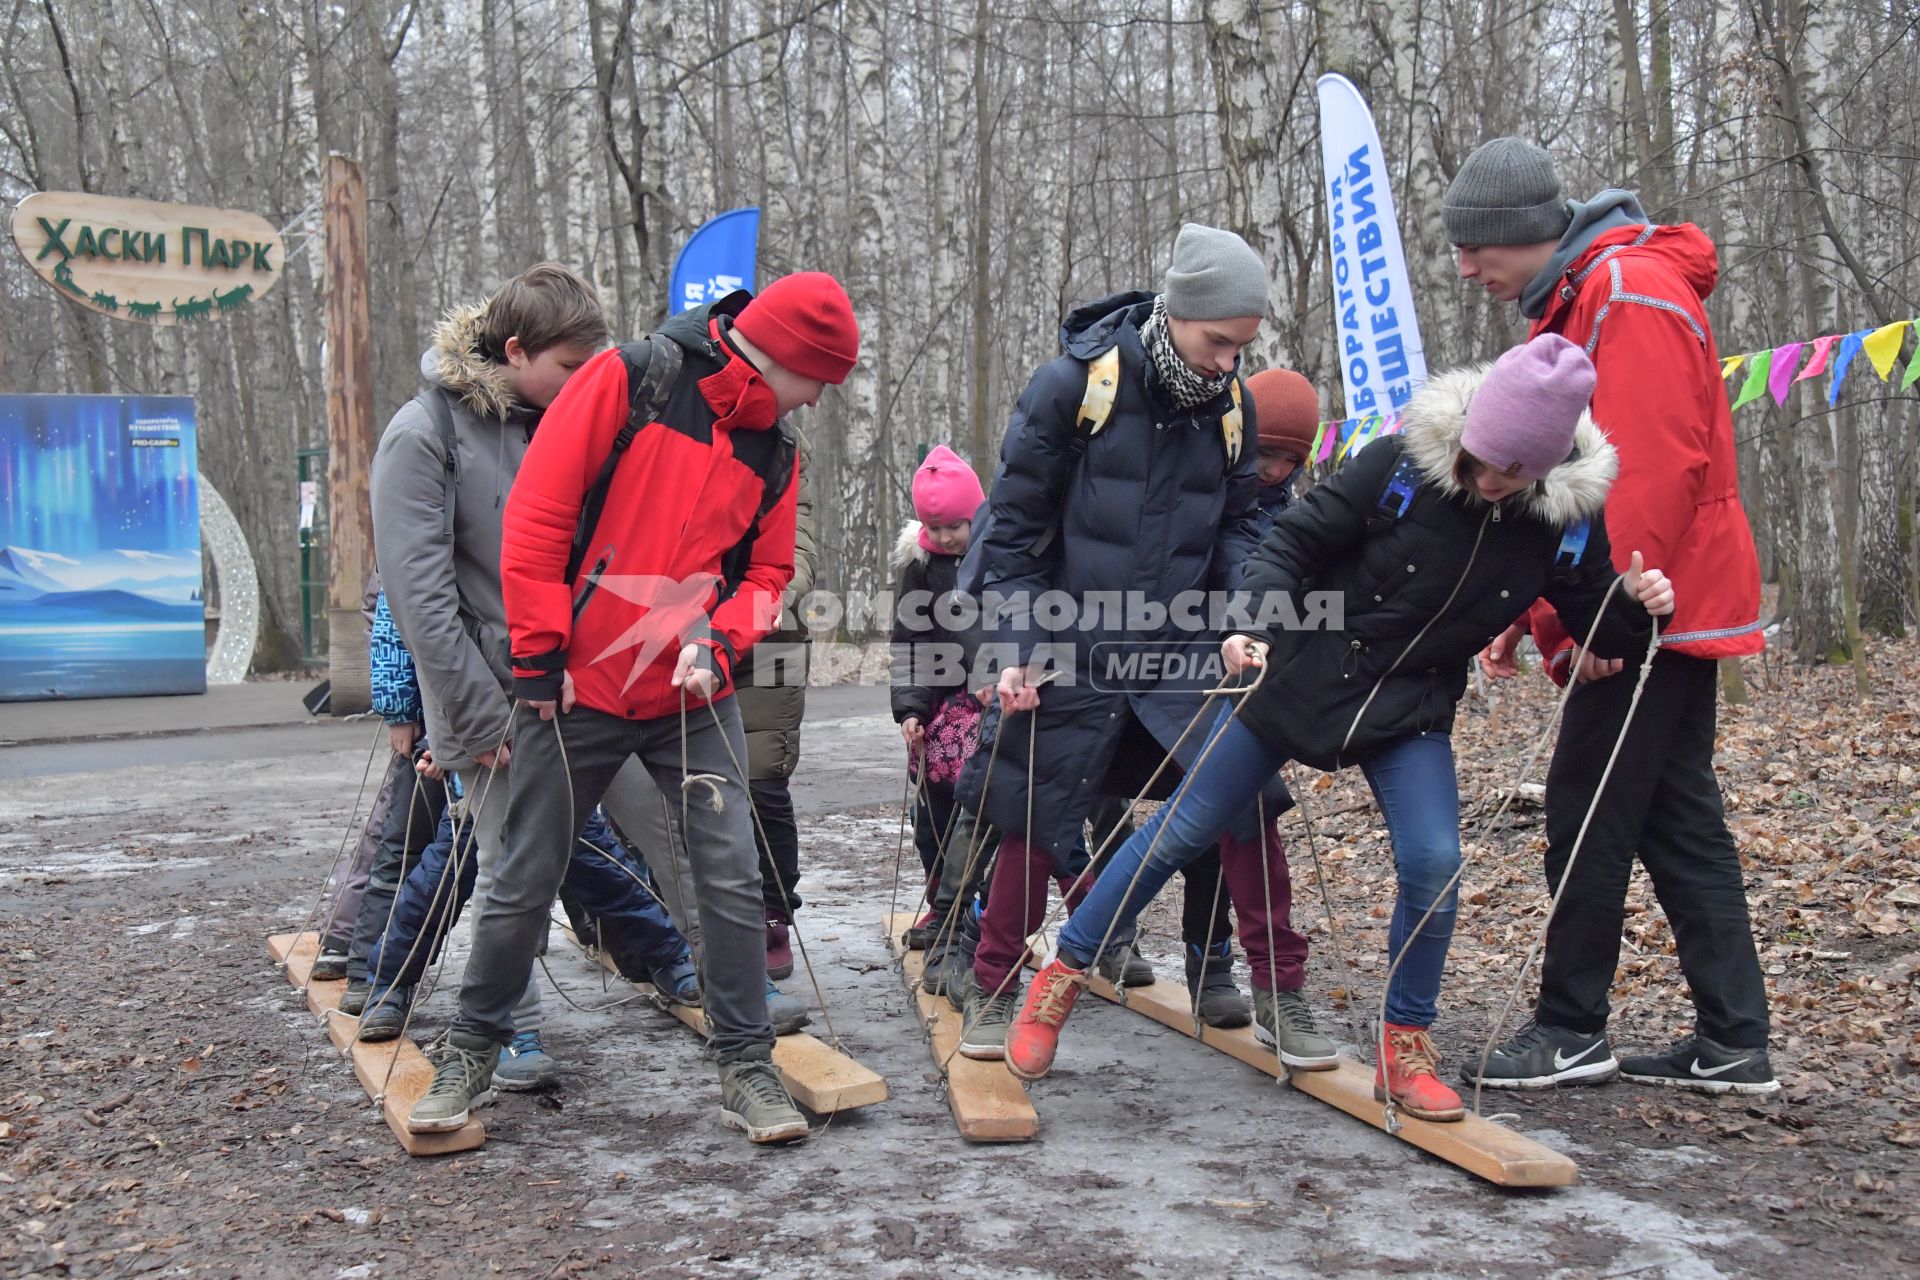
column 1522, row 417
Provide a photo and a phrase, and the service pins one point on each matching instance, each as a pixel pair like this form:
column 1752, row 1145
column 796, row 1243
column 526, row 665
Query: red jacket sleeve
column 746, row 616
column 1660, row 424
column 574, row 437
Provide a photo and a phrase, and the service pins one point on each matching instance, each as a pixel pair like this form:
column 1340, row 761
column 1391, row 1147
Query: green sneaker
column 462, row 1079
column 988, row 1018
column 754, row 1100
column 1283, row 1018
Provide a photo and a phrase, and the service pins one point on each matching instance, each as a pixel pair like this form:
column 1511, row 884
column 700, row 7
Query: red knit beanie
column 1286, row 409
column 805, row 323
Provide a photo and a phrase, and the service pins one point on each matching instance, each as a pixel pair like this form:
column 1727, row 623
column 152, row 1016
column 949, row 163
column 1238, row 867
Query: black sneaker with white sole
column 1704, row 1066
column 1542, row 1057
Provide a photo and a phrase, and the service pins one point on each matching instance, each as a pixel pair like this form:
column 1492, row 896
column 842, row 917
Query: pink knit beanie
column 945, row 491
column 1522, row 417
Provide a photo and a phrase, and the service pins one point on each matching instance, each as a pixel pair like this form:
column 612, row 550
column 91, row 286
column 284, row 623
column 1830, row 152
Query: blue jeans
column 1413, row 780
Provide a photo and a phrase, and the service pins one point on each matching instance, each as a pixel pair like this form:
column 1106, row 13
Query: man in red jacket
column 1634, row 295
column 647, row 542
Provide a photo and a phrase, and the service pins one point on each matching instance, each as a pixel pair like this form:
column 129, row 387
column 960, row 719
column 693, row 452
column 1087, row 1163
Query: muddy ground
column 168, row 1107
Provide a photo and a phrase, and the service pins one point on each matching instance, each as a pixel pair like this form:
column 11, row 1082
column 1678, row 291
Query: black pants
column 412, row 820
column 780, row 849
column 932, row 825
column 1663, row 803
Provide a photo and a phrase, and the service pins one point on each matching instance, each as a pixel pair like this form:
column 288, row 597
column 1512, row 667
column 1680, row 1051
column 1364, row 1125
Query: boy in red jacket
column 1634, row 296
column 648, row 540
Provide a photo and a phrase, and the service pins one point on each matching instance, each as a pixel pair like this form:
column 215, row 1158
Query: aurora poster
column 100, row 590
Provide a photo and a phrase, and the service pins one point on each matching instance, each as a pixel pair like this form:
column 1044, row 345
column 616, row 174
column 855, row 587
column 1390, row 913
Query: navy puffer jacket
column 1151, row 506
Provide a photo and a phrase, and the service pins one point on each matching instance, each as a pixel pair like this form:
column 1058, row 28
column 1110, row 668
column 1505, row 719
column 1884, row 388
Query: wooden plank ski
column 412, row 1073
column 820, row 1077
column 989, row 1104
column 1478, row 1145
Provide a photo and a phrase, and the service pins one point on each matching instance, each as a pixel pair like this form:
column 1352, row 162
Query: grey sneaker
column 1124, row 966
column 1539, row 1056
column 1210, row 985
column 462, row 1080
column 787, row 1013
column 524, row 1064
column 983, row 1031
column 353, row 1001
column 1282, row 1018
column 754, row 1100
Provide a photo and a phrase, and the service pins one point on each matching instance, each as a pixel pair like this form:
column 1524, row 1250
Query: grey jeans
column 561, row 769
column 485, row 805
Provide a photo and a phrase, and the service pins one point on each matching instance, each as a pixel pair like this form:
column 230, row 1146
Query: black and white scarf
column 1184, row 387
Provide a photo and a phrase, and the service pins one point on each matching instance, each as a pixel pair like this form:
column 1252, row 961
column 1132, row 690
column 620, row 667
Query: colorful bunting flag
column 1822, row 352
column 1759, row 364
column 1849, row 348
column 1332, row 439
column 1728, row 365
column 1785, row 359
column 1912, row 375
column 1313, row 450
column 1883, row 346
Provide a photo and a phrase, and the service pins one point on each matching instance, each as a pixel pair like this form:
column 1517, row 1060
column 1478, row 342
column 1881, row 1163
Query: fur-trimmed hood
column 454, row 361
column 1437, row 416
column 906, row 548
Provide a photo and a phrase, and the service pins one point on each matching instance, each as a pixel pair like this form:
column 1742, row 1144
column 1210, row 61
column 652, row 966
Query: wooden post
column 349, row 432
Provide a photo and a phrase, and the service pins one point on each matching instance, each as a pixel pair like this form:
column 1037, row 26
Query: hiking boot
column 920, row 936
column 677, row 983
column 983, row 1029
column 462, row 1080
column 779, row 947
column 787, row 1013
column 961, row 965
column 754, row 1100
column 1409, row 1072
column 353, row 1001
column 330, row 965
column 946, row 967
column 524, row 1064
column 1124, row 966
column 1035, row 1035
column 1284, row 1020
column 1705, row 1066
column 1540, row 1057
column 386, row 1013
column 1210, row 985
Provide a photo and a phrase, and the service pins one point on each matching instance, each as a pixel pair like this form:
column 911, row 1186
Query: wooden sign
column 143, row 260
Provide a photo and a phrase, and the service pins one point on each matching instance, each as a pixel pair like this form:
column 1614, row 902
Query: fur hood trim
column 1437, row 416
column 456, row 363
column 906, row 547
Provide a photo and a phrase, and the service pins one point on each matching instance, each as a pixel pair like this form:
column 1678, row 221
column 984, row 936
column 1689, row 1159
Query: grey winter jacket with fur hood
column 446, row 596
column 1468, row 567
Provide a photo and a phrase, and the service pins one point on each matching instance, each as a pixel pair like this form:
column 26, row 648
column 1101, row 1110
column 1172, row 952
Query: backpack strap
column 435, row 400
column 653, row 365
column 1398, row 494
column 1103, row 387
column 1231, row 430
column 1573, row 544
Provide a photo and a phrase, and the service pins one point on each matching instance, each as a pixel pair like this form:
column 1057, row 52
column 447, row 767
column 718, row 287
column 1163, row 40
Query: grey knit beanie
column 1506, row 193
column 1215, row 276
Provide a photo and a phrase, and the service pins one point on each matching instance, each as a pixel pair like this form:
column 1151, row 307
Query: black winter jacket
column 1151, row 505
column 1468, row 568
column 930, row 661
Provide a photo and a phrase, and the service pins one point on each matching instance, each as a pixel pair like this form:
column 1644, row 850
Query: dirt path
column 167, row 1106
